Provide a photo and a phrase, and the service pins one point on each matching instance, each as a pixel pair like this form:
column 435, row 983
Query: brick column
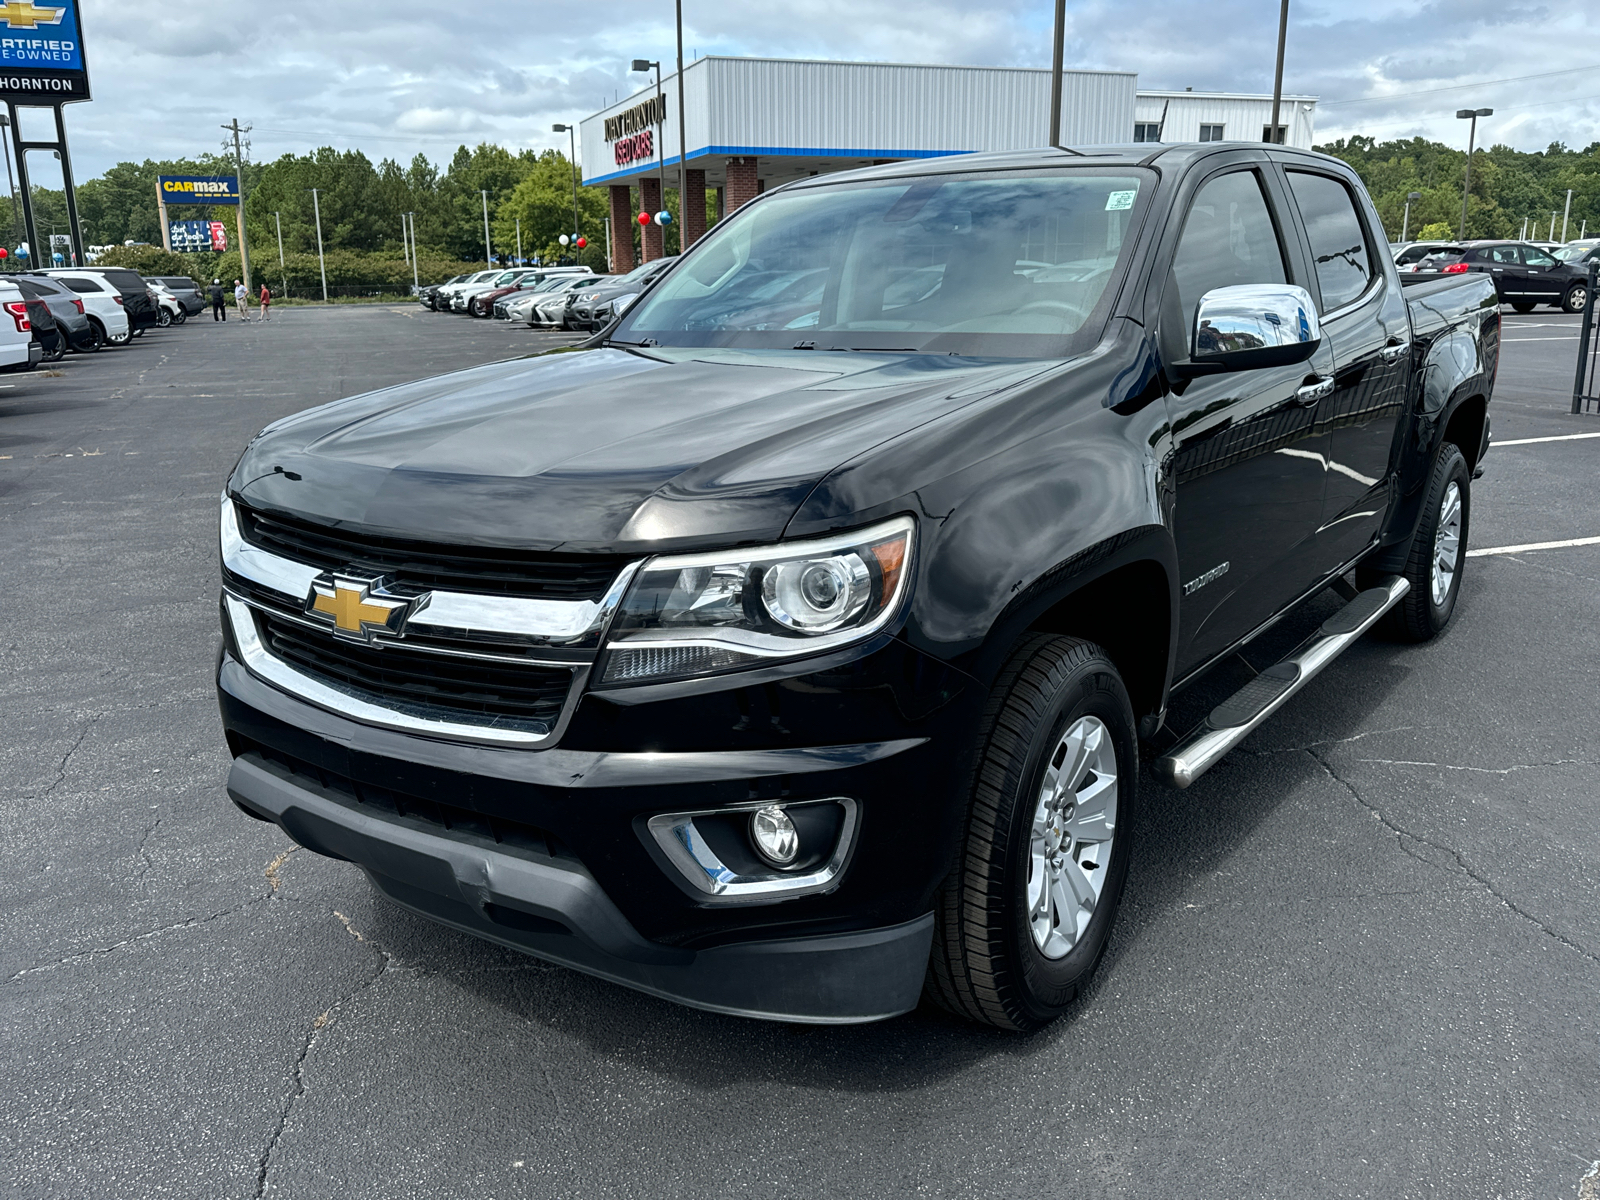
column 622, row 219
column 650, row 202
column 741, row 182
column 692, row 208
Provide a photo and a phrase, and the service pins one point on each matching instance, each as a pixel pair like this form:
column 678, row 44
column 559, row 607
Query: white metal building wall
column 815, row 110
column 1243, row 118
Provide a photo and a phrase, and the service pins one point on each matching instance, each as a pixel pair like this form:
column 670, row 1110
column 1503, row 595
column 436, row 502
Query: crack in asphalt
column 1560, row 762
column 61, row 767
column 149, row 863
column 93, row 951
column 386, row 964
column 1402, row 835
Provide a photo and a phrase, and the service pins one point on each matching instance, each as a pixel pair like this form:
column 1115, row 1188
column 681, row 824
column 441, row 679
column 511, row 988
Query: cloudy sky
column 408, row 76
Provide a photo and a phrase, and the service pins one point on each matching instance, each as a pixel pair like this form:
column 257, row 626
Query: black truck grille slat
column 482, row 569
column 469, row 687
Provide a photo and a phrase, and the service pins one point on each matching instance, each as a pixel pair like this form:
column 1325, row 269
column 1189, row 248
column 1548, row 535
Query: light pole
column 1405, row 225
column 16, row 220
column 519, row 241
column 683, row 151
column 1468, row 114
column 645, row 65
column 1057, row 51
column 572, row 142
column 316, row 208
column 416, row 280
column 1565, row 215
column 487, row 253
column 1551, row 236
column 1277, row 75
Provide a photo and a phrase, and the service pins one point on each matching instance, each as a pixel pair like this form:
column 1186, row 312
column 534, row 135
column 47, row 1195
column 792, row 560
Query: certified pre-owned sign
column 41, row 52
column 199, row 189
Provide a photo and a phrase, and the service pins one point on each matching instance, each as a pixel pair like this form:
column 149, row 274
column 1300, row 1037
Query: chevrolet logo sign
column 23, row 14
column 356, row 606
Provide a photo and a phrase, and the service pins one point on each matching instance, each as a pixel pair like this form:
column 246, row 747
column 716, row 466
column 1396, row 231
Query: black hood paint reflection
column 604, row 449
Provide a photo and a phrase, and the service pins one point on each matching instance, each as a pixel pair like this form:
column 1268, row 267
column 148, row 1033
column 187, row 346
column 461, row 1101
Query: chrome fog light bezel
column 696, row 866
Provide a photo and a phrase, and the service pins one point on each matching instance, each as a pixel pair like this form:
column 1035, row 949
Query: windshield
column 1574, row 253
column 1002, row 263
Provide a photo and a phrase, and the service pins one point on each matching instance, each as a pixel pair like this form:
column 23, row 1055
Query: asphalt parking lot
column 1361, row 957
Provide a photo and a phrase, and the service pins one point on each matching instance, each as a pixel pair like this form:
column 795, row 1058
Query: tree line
column 1508, row 187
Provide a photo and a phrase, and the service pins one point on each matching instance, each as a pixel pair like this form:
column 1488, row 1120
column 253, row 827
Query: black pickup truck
column 789, row 648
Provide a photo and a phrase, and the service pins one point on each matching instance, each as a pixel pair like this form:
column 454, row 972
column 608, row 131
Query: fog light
column 775, row 837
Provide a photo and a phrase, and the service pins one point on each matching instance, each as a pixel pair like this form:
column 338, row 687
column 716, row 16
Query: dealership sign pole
column 195, row 191
column 42, row 66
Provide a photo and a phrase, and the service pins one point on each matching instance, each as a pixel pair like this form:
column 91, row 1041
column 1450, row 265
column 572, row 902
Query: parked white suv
column 101, row 301
column 18, row 349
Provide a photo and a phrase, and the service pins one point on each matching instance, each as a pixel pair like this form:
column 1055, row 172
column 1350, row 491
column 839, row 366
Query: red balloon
column 2, row 251
column 582, row 242
column 644, row 218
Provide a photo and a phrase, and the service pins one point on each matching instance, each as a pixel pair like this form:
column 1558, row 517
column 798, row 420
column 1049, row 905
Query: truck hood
column 604, row 450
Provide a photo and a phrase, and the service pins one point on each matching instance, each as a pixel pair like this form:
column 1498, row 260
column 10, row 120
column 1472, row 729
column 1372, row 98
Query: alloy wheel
column 1446, row 544
column 1074, row 823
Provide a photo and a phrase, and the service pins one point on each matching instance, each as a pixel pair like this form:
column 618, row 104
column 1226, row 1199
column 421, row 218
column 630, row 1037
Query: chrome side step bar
column 1233, row 720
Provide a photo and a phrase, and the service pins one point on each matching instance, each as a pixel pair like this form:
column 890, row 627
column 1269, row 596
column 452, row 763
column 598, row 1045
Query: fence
column 1584, row 393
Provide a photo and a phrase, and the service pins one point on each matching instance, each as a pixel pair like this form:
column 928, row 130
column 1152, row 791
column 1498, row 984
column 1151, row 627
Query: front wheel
column 163, row 318
column 1025, row 915
column 1574, row 298
column 1522, row 306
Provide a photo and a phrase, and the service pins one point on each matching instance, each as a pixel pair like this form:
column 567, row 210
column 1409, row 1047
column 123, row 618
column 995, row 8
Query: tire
column 1574, row 298
column 1522, row 306
column 1423, row 612
column 999, row 957
column 58, row 349
column 97, row 337
column 180, row 317
column 163, row 318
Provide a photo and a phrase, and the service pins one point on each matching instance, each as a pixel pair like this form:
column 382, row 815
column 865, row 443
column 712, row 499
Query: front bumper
column 553, row 908
column 546, row 850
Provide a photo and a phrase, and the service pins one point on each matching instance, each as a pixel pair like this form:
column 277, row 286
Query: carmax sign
column 199, row 189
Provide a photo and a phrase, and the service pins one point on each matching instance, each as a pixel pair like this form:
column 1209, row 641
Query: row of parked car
column 1526, row 274
column 85, row 309
column 544, row 297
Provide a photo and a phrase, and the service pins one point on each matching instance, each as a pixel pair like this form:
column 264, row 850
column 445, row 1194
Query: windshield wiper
column 645, row 344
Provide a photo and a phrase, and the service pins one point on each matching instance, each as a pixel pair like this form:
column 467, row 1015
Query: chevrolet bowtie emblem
column 356, row 606
column 23, row 14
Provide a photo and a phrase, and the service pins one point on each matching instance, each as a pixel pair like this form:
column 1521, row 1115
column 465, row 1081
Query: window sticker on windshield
column 1118, row 201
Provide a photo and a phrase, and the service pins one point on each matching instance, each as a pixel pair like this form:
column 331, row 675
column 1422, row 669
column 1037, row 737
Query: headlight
column 700, row 614
column 619, row 304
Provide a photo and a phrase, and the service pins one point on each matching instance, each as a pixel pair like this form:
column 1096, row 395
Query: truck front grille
column 462, row 688
column 479, row 569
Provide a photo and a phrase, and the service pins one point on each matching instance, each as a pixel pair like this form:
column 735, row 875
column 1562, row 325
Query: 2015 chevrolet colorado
column 787, row 649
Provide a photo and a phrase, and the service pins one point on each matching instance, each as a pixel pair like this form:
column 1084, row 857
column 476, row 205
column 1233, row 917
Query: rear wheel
column 96, row 338
column 1574, row 298
column 1025, row 916
column 1438, row 552
column 57, row 350
column 163, row 318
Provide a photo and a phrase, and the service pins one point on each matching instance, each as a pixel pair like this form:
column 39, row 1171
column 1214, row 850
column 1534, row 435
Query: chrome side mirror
column 1253, row 325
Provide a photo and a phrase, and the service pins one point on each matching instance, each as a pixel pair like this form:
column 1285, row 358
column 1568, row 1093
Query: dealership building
column 755, row 123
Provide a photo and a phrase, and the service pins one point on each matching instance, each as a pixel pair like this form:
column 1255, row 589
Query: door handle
column 1498, row 270
column 1311, row 393
column 1395, row 350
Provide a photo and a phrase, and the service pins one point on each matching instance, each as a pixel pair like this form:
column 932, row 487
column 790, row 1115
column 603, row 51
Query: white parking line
column 1569, row 338
column 1560, row 437
column 1588, row 541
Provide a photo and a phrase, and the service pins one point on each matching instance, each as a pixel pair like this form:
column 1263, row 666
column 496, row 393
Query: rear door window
column 1338, row 243
column 88, row 287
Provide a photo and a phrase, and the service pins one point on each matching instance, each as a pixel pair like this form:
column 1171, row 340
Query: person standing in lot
column 243, row 299
column 266, row 302
column 219, row 310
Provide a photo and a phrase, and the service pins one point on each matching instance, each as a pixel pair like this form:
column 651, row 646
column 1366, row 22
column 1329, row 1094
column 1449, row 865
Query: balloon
column 663, row 217
column 644, row 218
column 2, row 251
column 563, row 239
column 58, row 257
column 22, row 252
column 582, row 242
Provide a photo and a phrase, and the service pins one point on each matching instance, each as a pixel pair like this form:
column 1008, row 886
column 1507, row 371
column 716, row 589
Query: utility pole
column 1467, row 114
column 1057, row 64
column 283, row 269
column 238, row 160
column 316, row 208
column 1565, row 215
column 1277, row 75
column 683, row 153
column 487, row 253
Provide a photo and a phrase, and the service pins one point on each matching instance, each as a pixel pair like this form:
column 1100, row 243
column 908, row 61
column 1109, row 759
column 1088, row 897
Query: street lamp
column 1405, row 224
column 1469, row 114
column 572, row 141
column 645, row 66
